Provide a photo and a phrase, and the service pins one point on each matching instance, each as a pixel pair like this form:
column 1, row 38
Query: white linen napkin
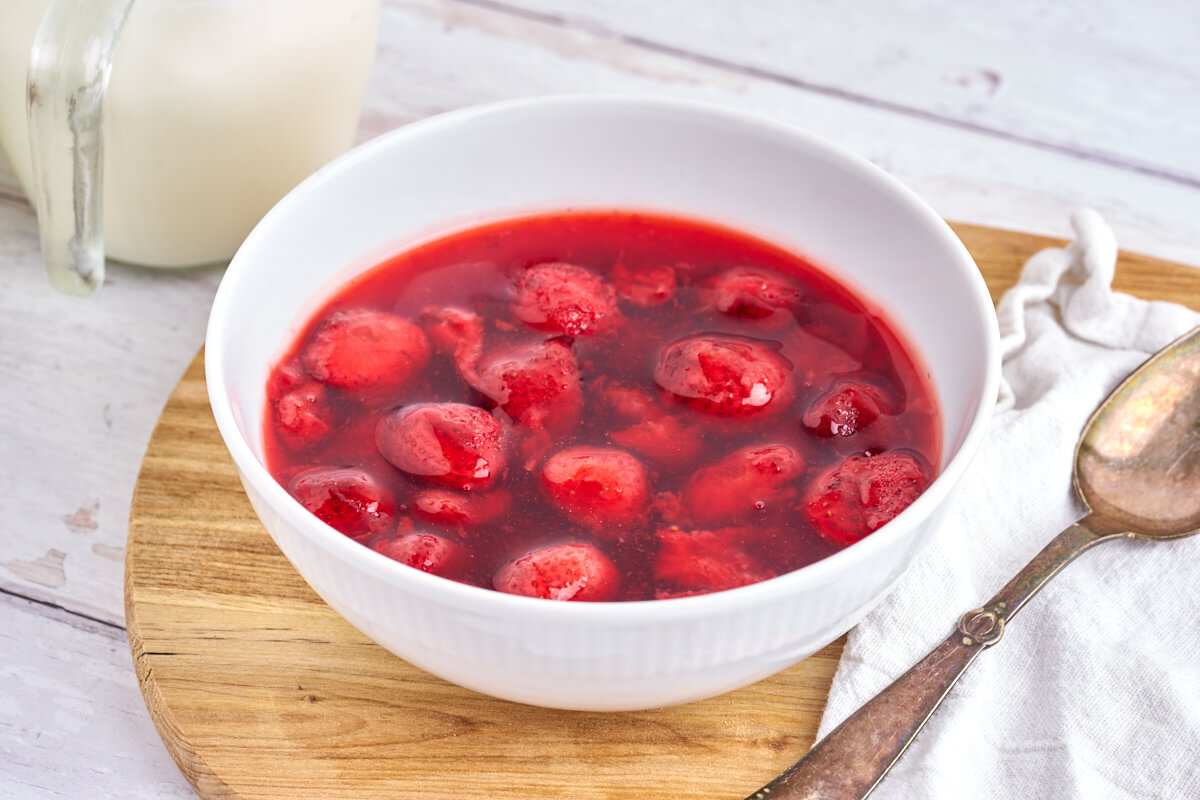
column 1094, row 691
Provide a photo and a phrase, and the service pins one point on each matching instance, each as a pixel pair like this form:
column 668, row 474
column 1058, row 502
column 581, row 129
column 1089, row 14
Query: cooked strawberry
column 366, row 348
column 662, row 439
column 669, row 507
column 845, row 410
column 646, row 286
column 654, row 434
column 451, row 444
column 597, row 378
column 536, row 385
column 696, row 562
column 446, row 507
column 754, row 293
column 862, row 493
column 726, row 375
column 628, row 402
column 815, row 362
column 895, row 480
column 303, row 414
column 454, row 332
column 850, row 329
column 601, row 488
column 348, row 499
column 285, row 378
column 566, row 299
column 427, row 552
column 749, row 480
column 570, row 571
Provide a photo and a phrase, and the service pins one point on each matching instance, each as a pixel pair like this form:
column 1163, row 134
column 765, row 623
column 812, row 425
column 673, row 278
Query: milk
column 215, row 109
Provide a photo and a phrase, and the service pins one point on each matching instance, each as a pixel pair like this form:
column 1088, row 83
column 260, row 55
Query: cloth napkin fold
column 1094, row 691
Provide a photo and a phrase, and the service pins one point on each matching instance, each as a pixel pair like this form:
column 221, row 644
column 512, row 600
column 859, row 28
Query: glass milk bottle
column 213, row 111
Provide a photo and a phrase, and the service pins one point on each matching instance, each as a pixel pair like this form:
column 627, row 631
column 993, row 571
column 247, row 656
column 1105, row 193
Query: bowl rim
column 637, row 613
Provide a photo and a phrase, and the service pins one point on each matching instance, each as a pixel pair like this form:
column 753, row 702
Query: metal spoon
column 1137, row 471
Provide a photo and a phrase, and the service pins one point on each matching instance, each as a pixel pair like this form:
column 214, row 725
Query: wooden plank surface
column 1094, row 79
column 261, row 691
column 446, row 54
column 51, row 727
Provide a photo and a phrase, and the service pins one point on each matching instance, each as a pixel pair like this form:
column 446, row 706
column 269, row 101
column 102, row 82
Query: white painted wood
column 1107, row 79
column 451, row 54
column 72, row 722
column 85, row 380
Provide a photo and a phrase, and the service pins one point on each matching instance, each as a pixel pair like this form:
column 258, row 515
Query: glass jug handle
column 68, row 73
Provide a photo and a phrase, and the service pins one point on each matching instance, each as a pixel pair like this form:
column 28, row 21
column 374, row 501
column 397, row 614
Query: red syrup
column 601, row 406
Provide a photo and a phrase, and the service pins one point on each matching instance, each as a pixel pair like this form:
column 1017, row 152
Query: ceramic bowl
column 479, row 164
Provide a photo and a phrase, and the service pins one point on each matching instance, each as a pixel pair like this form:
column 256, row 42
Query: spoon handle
column 851, row 760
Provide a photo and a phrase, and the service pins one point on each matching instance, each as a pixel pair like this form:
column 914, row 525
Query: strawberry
column 646, row 286
column 862, row 493
column 851, row 329
column 566, row 299
column 303, row 414
column 653, row 434
column 815, row 361
column 627, row 402
column 427, row 552
column 597, row 487
column 568, row 571
column 749, row 480
column 662, row 440
column 446, row 507
column 754, row 293
column 348, row 499
column 365, row 348
column 731, row 376
column 845, row 410
column 286, row 377
column 455, row 332
column 451, row 444
column 536, row 385
column 701, row 561
column 668, row 506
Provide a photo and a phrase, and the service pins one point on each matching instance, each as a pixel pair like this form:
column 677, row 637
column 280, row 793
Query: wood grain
column 259, row 690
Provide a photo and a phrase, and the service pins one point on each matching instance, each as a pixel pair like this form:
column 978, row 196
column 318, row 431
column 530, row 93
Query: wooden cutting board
column 260, row 690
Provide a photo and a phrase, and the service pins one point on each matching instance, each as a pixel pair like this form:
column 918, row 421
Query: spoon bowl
column 1138, row 461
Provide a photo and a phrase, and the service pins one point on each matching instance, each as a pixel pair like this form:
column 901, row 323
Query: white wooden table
column 1009, row 114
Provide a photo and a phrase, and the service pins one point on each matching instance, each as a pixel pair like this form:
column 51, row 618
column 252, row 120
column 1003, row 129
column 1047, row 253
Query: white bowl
column 501, row 160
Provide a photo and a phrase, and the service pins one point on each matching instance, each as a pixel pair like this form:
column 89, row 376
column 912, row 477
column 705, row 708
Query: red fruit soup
column 596, row 406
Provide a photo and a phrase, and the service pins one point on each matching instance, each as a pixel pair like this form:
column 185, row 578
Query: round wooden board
column 260, row 690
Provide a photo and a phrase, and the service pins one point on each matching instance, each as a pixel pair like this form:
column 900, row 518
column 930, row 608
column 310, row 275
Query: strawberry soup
column 601, row 406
